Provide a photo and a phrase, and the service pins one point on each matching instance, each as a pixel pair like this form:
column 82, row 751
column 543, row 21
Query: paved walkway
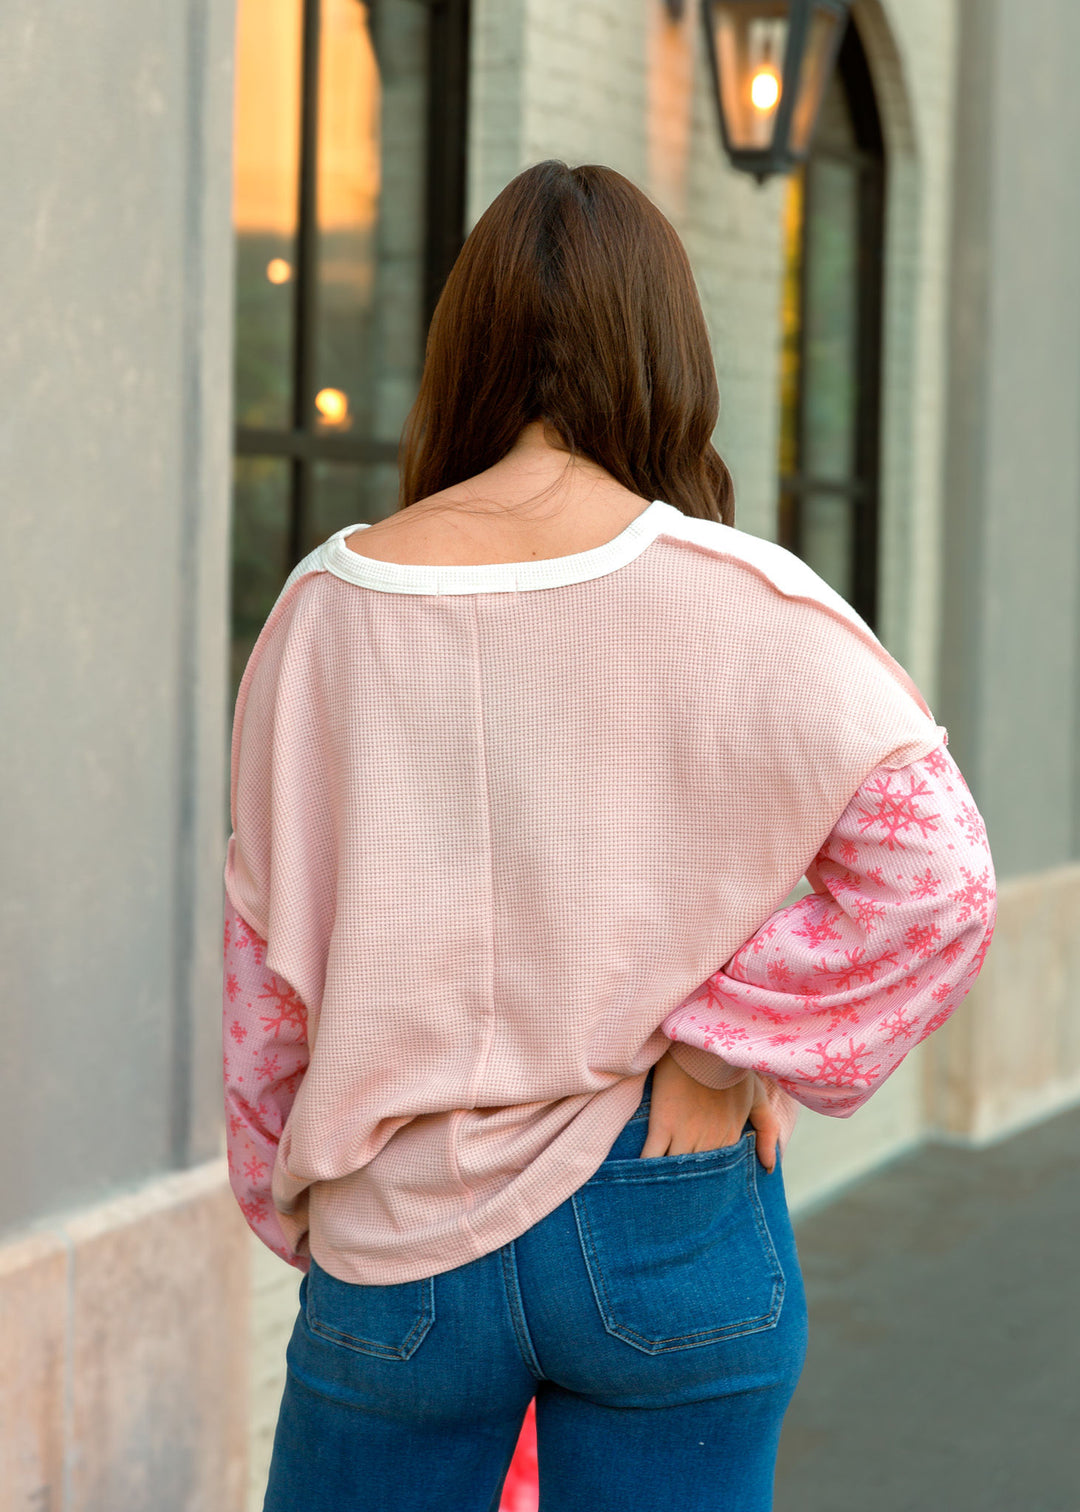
column 943, row 1369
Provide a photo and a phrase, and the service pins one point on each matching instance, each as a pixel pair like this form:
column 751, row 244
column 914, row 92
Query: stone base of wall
column 1010, row 1055
column 124, row 1354
column 275, row 1288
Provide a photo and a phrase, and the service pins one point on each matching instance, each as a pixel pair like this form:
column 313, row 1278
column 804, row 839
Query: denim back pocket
column 388, row 1321
column 678, row 1250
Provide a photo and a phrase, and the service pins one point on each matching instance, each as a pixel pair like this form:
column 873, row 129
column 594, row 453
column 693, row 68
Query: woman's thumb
column 766, row 1125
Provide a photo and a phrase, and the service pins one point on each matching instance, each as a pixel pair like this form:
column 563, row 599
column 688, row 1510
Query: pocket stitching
column 357, row 1342
column 701, row 1336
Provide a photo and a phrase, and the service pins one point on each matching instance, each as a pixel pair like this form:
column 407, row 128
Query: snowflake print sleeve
column 833, row 991
column 265, row 1055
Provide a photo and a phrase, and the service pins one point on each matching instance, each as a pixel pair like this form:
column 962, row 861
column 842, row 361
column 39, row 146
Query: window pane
column 260, row 550
column 751, row 41
column 350, row 494
column 826, row 538
column 372, row 112
column 267, row 154
column 830, row 317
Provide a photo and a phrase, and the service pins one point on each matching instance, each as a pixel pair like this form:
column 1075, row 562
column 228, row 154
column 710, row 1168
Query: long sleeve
column 265, row 1055
column 831, row 993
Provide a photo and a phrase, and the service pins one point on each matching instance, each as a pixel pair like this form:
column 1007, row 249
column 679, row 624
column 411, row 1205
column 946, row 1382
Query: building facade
column 226, row 230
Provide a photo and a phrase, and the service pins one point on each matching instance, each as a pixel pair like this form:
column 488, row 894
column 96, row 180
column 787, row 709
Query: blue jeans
column 657, row 1316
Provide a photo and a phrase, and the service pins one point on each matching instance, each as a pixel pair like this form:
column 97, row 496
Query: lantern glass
column 750, row 38
column 821, row 41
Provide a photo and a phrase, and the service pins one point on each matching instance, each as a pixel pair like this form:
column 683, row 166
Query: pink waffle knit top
column 504, row 834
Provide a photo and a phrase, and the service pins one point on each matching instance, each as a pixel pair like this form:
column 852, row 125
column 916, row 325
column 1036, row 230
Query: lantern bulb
column 332, row 405
column 765, row 89
column 278, row 271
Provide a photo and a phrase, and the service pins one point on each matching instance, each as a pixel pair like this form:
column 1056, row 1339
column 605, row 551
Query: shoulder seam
column 803, row 584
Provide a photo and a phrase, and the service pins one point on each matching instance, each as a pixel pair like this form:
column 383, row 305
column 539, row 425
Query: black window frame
column 302, row 444
column 863, row 488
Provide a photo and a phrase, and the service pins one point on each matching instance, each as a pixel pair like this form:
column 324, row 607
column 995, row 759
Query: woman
column 516, row 1021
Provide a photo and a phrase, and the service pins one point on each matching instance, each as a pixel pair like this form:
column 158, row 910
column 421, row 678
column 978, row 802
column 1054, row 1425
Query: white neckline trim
column 497, row 577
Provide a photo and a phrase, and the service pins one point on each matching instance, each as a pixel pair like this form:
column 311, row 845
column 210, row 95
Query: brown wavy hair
column 573, row 302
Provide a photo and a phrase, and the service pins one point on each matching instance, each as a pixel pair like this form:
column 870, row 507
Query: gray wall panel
column 1013, row 499
column 112, row 613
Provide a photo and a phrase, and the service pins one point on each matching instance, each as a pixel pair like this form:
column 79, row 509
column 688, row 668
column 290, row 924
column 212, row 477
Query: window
column 829, row 441
column 349, row 211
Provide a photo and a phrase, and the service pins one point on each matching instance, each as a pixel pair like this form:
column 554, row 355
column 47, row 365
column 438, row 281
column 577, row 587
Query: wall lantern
column 771, row 61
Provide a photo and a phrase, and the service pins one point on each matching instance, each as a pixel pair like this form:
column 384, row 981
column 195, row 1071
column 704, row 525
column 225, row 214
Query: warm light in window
column 332, row 405
column 278, row 271
column 765, row 89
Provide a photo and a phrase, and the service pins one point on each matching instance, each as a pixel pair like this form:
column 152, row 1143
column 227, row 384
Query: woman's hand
column 685, row 1116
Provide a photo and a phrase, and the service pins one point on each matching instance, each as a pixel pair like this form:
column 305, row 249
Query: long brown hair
column 573, row 302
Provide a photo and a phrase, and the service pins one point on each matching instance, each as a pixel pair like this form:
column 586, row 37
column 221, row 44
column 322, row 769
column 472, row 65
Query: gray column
column 1009, row 684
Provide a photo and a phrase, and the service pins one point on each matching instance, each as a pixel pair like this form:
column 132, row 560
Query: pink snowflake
column 288, row 1011
column 976, row 896
column 773, row 1015
column 254, row 1210
column 818, row 932
column 941, row 992
column 925, row 886
column 246, row 936
column 269, row 1068
column 254, row 1168
column 778, row 973
column 971, row 822
column 859, row 970
column 898, row 1025
column 942, row 1016
column 719, row 991
column 232, row 986
column 951, row 951
column 849, row 852
column 921, row 939
column 238, row 1031
column 840, row 1013
column 844, row 1067
column 868, row 912
column 783, row 1039
column 937, row 762
column 897, row 811
column 724, row 1035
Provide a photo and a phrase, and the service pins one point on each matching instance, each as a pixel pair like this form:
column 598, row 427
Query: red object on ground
column 521, row 1491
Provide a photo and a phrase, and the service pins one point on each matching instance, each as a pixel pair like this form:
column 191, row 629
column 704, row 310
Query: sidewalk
column 943, row 1369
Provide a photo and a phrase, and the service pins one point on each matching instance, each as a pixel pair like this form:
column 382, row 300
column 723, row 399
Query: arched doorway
column 831, row 364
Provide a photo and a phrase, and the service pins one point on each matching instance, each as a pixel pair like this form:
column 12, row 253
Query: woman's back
column 498, row 821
